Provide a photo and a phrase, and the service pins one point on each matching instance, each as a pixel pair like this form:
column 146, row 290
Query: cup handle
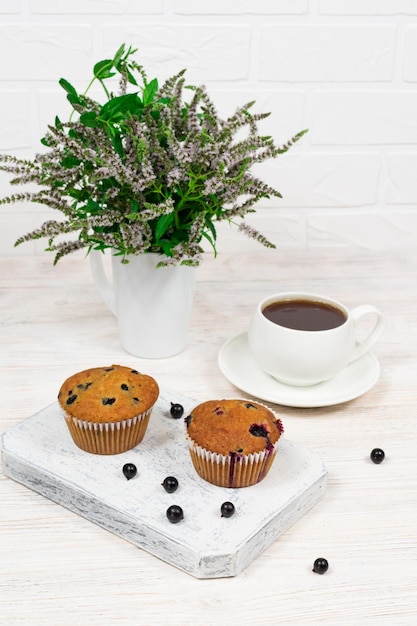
column 358, row 313
column 101, row 281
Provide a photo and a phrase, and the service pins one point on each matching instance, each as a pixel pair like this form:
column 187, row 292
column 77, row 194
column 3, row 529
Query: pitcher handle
column 101, row 281
column 357, row 314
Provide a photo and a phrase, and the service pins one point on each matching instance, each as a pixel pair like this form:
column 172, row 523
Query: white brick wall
column 345, row 69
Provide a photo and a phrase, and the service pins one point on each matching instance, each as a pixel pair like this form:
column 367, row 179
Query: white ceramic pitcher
column 152, row 304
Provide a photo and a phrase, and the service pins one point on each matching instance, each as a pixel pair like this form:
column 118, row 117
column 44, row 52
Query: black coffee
column 304, row 315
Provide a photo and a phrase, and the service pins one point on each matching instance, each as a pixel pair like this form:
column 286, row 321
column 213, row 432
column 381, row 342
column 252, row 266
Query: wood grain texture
column 58, row 568
column 40, row 454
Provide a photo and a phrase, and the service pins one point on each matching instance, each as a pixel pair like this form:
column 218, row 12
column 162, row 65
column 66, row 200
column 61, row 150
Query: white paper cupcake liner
column 237, row 470
column 108, row 437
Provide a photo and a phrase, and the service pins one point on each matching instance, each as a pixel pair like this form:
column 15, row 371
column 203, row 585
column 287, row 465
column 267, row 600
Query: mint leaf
column 149, row 92
column 68, row 87
column 102, row 69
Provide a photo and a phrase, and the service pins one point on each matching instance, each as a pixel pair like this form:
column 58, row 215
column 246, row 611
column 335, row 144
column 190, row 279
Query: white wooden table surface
column 58, row 568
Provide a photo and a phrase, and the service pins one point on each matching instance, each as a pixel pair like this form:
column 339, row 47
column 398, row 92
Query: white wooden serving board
column 40, row 454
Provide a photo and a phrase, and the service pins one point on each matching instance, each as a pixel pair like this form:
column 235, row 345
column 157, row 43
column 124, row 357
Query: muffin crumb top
column 231, row 427
column 108, row 394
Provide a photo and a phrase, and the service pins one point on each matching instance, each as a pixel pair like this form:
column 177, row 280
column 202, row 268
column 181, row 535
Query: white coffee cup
column 303, row 356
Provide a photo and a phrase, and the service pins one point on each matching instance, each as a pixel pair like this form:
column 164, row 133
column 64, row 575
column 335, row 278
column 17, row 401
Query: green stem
column 104, row 87
column 87, row 89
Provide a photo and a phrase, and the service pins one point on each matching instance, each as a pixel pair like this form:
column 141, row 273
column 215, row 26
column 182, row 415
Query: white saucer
column 240, row 368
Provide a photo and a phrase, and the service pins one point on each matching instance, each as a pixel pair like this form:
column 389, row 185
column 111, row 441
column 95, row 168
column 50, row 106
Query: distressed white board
column 40, row 454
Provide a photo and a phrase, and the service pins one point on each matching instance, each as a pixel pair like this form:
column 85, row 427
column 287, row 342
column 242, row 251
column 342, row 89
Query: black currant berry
column 170, row 484
column 129, row 470
column 227, row 509
column 176, row 410
column 175, row 514
column 320, row 566
column 377, row 455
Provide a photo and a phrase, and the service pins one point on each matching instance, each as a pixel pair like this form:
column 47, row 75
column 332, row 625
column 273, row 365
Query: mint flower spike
column 149, row 169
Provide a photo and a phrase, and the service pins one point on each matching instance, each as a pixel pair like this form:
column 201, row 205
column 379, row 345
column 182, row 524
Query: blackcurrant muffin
column 232, row 443
column 107, row 409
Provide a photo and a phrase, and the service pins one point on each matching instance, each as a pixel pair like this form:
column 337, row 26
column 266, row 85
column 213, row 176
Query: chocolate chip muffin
column 232, row 443
column 107, row 409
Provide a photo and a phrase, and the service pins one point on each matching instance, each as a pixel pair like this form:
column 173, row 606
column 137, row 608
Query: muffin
column 107, row 409
column 232, row 443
